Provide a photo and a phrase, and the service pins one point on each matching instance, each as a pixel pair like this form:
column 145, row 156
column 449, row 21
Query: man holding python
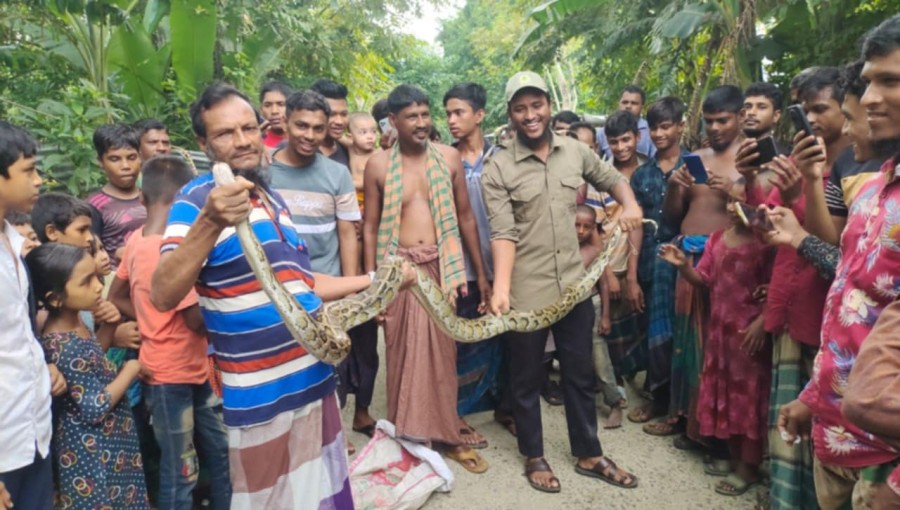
column 529, row 189
column 286, row 446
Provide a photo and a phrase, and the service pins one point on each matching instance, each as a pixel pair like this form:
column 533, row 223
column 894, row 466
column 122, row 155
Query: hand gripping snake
column 324, row 334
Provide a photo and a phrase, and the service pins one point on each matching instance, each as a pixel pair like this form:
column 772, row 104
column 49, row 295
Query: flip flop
column 469, row 431
column 717, row 467
column 639, row 415
column 738, row 484
column 368, row 430
column 660, row 428
column 462, row 457
column 539, row 466
column 605, row 469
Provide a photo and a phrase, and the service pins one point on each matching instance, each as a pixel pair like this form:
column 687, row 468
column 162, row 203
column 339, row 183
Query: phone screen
column 695, row 166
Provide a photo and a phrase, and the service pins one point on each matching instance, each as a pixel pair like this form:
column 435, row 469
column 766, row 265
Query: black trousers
column 357, row 372
column 525, row 352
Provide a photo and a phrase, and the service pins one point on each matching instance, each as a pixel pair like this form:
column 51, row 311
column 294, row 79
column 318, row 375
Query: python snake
column 324, row 334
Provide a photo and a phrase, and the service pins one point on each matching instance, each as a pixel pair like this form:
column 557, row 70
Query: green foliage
column 65, row 127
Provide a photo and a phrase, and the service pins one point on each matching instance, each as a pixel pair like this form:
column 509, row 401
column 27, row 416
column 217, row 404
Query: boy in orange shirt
column 173, row 348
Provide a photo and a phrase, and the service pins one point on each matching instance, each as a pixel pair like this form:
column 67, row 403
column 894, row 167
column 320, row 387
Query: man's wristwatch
column 371, row 276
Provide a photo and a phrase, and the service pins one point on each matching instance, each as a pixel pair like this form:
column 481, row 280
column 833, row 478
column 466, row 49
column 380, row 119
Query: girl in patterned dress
column 732, row 405
column 97, row 462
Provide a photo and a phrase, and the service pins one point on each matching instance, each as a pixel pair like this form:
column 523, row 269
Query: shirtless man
column 699, row 210
column 408, row 214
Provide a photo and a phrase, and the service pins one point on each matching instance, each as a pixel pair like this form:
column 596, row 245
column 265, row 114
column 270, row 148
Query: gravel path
column 669, row 478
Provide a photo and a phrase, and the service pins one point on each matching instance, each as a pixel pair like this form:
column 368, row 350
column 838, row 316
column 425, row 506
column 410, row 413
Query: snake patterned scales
column 324, row 335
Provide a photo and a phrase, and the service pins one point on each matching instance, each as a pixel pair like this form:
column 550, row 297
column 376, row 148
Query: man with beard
column 272, row 98
column 414, row 194
column 699, row 210
column 529, row 191
column 276, row 395
column 762, row 110
column 336, row 95
column 856, row 453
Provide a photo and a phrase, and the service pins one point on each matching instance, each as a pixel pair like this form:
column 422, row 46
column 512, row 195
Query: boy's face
column 666, row 134
column 338, row 120
column 78, row 233
column 824, row 115
column 722, row 128
column 856, row 128
column 584, row 226
column 363, row 132
column 624, row 146
column 155, row 142
column 587, row 137
column 273, row 110
column 31, row 239
column 19, row 191
column 462, row 119
column 122, row 166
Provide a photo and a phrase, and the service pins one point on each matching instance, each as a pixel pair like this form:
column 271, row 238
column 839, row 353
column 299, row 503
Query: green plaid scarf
column 443, row 212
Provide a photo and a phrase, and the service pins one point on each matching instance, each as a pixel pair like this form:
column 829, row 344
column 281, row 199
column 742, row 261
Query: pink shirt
column 867, row 280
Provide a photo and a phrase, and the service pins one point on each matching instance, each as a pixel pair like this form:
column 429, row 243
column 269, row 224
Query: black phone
column 695, row 166
column 766, row 149
column 798, row 117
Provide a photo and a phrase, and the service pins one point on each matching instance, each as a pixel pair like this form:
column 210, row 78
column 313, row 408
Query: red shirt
column 797, row 292
column 271, row 140
column 866, row 281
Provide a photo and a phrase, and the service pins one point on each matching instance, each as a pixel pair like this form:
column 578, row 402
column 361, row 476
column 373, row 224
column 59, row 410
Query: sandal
column 733, row 485
column 367, row 430
column 717, row 467
column 464, row 457
column 661, row 428
column 639, row 415
column 607, row 470
column 469, row 432
column 540, row 466
column 552, row 393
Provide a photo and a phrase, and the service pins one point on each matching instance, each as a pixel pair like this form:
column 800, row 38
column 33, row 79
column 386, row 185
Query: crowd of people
column 142, row 364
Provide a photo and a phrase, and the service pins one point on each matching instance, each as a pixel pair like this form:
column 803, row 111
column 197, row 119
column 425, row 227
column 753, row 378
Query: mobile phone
column 766, row 149
column 695, row 166
column 798, row 117
column 385, row 125
column 754, row 217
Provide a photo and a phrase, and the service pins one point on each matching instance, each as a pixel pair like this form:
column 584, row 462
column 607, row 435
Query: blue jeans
column 183, row 414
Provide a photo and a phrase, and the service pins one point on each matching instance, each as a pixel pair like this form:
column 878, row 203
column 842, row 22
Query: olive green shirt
column 532, row 203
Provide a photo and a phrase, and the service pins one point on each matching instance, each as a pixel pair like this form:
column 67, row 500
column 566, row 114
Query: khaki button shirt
column 532, row 203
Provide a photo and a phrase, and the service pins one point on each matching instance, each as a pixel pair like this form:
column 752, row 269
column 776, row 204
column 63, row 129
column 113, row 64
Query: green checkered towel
column 443, row 213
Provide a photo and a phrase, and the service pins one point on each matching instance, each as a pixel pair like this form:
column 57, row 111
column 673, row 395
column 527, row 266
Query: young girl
column 734, row 384
column 95, row 447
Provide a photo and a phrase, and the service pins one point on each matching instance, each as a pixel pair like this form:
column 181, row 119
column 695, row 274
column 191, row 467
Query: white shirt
column 24, row 378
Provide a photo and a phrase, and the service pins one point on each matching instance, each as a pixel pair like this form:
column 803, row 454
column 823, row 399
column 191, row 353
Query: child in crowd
column 26, row 474
column 173, row 348
column 101, row 258
column 734, row 385
column 118, row 205
column 95, row 448
column 363, row 134
column 22, row 223
column 590, row 247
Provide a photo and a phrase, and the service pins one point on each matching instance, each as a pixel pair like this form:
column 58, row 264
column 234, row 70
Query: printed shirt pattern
column 867, row 281
column 264, row 370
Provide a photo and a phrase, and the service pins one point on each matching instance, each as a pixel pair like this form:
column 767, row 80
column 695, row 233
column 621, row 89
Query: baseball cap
column 524, row 80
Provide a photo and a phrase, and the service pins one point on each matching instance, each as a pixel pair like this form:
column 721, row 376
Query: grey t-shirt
column 318, row 196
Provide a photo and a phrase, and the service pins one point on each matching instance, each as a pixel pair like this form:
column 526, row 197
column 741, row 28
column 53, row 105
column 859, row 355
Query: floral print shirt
column 867, row 280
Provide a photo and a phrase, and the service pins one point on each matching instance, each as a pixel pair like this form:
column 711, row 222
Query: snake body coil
column 324, row 336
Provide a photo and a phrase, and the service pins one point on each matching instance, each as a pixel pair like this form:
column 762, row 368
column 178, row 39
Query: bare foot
column 614, row 420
